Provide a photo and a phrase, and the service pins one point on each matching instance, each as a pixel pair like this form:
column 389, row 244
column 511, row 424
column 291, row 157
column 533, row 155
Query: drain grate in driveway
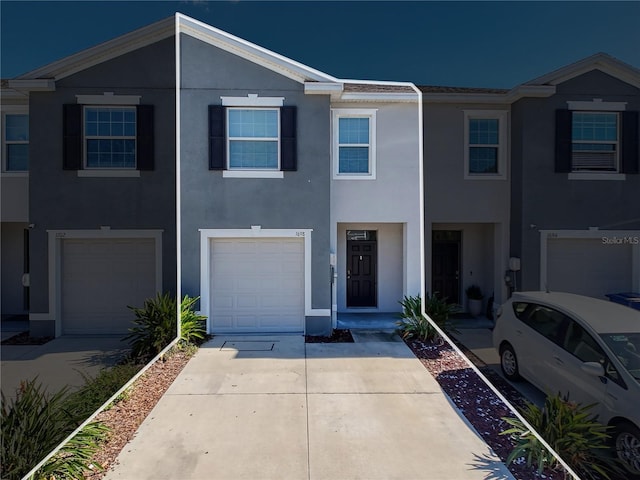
column 248, row 345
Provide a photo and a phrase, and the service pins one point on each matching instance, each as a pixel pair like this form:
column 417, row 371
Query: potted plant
column 474, row 298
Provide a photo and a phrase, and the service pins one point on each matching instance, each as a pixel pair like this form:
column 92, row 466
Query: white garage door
column 586, row 266
column 100, row 278
column 257, row 285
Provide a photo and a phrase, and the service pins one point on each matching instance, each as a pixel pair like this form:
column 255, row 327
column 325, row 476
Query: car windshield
column 626, row 346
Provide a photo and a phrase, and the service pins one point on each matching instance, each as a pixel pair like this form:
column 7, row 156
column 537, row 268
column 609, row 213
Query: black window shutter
column 288, row 149
column 217, row 146
column 144, row 137
column 72, row 136
column 630, row 151
column 563, row 141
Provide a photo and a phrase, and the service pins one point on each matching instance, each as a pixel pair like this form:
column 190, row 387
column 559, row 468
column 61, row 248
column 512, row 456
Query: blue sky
column 481, row 44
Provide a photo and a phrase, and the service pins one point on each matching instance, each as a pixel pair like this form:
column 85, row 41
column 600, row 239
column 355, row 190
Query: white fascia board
column 600, row 61
column 105, row 51
column 32, row 85
column 250, row 51
column 323, row 88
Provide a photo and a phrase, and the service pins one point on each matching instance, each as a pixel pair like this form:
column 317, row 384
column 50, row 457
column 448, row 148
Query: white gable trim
column 600, row 61
column 249, row 51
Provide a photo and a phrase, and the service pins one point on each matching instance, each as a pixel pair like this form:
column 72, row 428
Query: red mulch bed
column 337, row 336
column 25, row 339
column 477, row 402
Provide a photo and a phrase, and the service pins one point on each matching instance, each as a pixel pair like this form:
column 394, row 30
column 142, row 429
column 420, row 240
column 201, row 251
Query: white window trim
column 11, row 110
column 598, row 106
column 108, row 98
column 632, row 238
column 255, row 232
column 102, row 171
column 55, row 264
column 503, row 147
column 256, row 171
column 369, row 113
column 252, row 174
column 106, row 172
column 252, row 100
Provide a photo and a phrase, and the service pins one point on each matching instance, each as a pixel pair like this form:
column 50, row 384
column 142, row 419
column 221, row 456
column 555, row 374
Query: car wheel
column 509, row 362
column 627, row 444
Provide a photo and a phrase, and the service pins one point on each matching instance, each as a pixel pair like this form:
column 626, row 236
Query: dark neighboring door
column 445, row 264
column 361, row 268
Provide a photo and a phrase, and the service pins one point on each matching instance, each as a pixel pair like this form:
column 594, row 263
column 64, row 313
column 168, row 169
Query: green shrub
column 32, row 425
column 155, row 327
column 415, row 325
column 571, row 431
column 74, row 458
column 97, row 390
column 192, row 325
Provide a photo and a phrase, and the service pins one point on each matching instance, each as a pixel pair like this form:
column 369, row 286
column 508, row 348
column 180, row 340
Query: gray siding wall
column 59, row 199
column 550, row 200
column 299, row 200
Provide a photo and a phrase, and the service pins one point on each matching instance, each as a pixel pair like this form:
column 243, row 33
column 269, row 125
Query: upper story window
column 16, row 142
column 252, row 137
column 596, row 140
column 110, row 137
column 485, row 154
column 354, row 148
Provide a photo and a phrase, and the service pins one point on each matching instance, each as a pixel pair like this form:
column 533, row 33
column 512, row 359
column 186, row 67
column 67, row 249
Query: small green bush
column 415, row 325
column 74, row 458
column 192, row 325
column 571, row 430
column 97, row 390
column 32, row 425
column 155, row 327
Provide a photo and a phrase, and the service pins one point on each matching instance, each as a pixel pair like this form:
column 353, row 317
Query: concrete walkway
column 58, row 363
column 277, row 408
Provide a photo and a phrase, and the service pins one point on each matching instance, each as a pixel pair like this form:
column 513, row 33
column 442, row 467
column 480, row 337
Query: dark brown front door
column 445, row 264
column 361, row 268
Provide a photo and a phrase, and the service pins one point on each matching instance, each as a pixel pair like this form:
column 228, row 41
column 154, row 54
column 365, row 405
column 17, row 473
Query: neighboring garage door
column 588, row 267
column 100, row 278
column 257, row 285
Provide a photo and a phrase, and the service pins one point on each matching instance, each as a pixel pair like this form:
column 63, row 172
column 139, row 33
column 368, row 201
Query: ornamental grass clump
column 156, row 325
column 414, row 324
column 573, row 433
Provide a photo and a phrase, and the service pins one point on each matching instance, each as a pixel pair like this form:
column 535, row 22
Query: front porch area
column 379, row 321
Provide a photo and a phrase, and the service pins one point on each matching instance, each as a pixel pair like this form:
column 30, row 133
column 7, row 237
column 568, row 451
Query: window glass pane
column 483, row 131
column 108, row 125
column 483, row 160
column 260, row 123
column 353, row 160
column 17, row 128
column 546, row 321
column 253, row 154
column 353, row 131
column 18, row 157
column 594, row 126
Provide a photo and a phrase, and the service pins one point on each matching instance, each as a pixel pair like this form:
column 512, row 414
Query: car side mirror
column 593, row 368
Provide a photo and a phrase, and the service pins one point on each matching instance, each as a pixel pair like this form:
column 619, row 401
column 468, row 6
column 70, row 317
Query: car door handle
column 558, row 361
column 519, row 332
column 612, row 396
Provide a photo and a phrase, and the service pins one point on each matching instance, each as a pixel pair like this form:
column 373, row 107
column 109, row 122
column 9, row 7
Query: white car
column 581, row 346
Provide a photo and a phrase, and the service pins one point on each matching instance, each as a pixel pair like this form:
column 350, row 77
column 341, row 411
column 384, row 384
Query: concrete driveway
column 60, row 362
column 277, row 408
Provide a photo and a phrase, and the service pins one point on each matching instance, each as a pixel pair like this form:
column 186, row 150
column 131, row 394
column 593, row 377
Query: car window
column 546, row 321
column 626, row 346
column 582, row 345
column 519, row 308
